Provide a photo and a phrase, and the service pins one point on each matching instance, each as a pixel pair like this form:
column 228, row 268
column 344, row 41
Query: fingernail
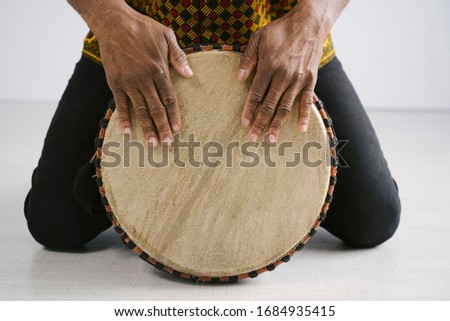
column 246, row 122
column 241, row 74
column 272, row 139
column 127, row 131
column 175, row 127
column 188, row 71
column 167, row 141
column 253, row 137
column 152, row 142
column 303, row 127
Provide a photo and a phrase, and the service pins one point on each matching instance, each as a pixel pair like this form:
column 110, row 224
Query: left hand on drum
column 286, row 54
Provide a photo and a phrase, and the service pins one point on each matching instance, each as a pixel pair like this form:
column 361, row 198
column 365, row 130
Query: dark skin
column 137, row 51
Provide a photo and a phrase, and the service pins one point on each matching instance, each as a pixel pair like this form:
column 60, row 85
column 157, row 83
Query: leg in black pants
column 365, row 210
column 54, row 217
column 364, row 213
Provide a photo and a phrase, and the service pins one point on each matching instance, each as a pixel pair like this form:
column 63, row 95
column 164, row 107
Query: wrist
column 100, row 14
column 318, row 15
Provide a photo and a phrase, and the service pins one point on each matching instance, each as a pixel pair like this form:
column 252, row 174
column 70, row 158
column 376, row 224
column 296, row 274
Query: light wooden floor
column 413, row 265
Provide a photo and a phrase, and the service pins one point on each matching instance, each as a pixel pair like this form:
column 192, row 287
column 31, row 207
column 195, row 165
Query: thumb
column 249, row 58
column 177, row 57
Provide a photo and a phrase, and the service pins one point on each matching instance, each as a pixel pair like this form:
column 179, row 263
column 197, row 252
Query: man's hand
column 286, row 55
column 136, row 51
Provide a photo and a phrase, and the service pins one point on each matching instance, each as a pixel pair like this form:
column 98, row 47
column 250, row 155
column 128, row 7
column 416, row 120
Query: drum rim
column 224, row 279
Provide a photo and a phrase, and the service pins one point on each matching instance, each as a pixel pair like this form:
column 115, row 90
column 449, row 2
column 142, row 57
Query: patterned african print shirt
column 202, row 21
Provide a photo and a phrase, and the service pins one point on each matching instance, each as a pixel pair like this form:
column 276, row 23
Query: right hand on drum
column 136, row 51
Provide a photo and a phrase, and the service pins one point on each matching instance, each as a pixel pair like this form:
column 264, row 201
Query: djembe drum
column 241, row 209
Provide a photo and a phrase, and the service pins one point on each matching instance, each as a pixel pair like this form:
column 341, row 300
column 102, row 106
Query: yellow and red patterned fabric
column 200, row 22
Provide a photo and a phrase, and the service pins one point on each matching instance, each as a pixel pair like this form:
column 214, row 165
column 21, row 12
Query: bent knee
column 52, row 236
column 58, row 229
column 368, row 225
column 376, row 225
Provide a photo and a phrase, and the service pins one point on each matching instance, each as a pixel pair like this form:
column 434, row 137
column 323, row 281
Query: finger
column 158, row 114
column 249, row 58
column 255, row 97
column 168, row 98
column 143, row 116
column 177, row 57
column 123, row 110
column 306, row 103
column 281, row 113
column 267, row 109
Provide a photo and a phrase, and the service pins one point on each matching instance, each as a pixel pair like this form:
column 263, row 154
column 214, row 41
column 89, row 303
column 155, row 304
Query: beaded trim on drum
column 136, row 249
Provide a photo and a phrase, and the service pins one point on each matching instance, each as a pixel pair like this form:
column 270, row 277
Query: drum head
column 217, row 207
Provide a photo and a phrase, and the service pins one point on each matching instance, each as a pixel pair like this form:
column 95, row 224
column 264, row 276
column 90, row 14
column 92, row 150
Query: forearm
column 322, row 14
column 99, row 14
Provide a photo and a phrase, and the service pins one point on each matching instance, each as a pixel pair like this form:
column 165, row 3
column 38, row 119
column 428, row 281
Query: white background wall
column 396, row 52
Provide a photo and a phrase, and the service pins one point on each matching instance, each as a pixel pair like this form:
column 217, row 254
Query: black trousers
column 365, row 210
